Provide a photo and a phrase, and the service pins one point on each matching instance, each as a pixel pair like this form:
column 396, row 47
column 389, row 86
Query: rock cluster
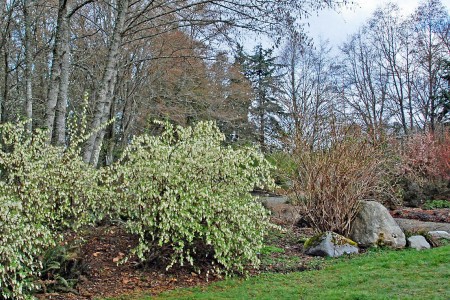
column 373, row 226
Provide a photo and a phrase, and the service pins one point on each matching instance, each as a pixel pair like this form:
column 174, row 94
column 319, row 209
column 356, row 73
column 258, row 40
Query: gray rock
column 418, row 242
column 417, row 226
column 374, row 225
column 440, row 234
column 330, row 244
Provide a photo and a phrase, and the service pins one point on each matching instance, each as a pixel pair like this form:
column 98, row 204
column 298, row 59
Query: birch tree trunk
column 105, row 118
column 56, row 69
column 61, row 104
column 110, row 132
column 104, row 95
column 28, row 66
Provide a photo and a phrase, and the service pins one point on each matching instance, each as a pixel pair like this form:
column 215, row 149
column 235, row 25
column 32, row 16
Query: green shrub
column 44, row 190
column 21, row 243
column 433, row 204
column 53, row 184
column 285, row 167
column 185, row 192
column 61, row 267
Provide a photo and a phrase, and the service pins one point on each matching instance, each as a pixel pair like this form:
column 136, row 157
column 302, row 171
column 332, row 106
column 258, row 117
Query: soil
column 103, row 276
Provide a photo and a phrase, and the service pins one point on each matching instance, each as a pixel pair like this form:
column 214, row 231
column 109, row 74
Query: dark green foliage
column 262, row 71
column 61, row 268
column 433, row 204
column 285, row 167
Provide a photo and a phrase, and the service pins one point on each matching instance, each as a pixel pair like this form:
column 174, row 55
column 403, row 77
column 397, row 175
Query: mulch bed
column 435, row 215
column 102, row 276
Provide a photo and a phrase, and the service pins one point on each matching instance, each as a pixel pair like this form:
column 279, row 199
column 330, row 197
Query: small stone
column 440, row 234
column 418, row 242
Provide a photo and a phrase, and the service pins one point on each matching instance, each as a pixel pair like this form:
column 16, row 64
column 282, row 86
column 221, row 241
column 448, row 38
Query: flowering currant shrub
column 43, row 191
column 185, row 192
column 21, row 243
column 53, row 184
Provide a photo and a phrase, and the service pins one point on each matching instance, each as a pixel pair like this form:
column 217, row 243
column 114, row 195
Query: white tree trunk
column 55, row 72
column 61, row 105
column 104, row 95
column 28, row 66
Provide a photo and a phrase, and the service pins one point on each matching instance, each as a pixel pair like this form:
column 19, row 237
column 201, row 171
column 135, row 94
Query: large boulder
column 330, row 244
column 374, row 226
column 418, row 242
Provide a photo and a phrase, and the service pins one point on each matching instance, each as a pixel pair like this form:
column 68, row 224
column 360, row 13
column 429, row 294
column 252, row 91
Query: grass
column 406, row 274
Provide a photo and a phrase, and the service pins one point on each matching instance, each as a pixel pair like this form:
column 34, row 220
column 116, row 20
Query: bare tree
column 385, row 26
column 365, row 82
column 428, row 20
column 7, row 9
column 57, row 95
column 143, row 20
column 307, row 87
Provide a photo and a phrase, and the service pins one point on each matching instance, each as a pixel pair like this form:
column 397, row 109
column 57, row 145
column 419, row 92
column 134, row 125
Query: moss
column 314, row 240
column 340, row 240
column 381, row 241
column 336, row 240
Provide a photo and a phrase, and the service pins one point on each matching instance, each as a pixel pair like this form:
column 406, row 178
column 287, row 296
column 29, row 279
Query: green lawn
column 407, row 274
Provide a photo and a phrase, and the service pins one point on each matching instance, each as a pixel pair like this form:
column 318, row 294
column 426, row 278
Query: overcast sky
column 336, row 26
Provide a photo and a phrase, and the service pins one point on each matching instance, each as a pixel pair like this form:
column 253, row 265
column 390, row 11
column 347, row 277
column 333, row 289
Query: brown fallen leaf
column 119, row 257
column 96, row 254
